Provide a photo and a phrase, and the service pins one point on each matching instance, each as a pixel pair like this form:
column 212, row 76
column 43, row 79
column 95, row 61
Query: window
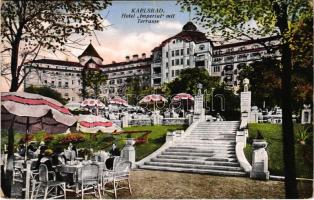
column 119, row 81
column 72, row 82
column 45, row 81
column 130, row 72
column 181, row 52
column 216, row 68
column 172, row 73
column 181, row 61
column 66, row 94
column 177, row 72
column 111, row 82
column 201, row 47
column 174, row 41
column 188, row 51
column 167, row 74
column 177, row 61
column 167, row 65
column 122, row 73
column 79, row 82
column 177, row 52
column 241, row 48
column 172, row 53
column 188, row 62
column 66, row 84
column 59, row 84
column 113, row 74
column 172, row 62
column 167, row 54
column 229, row 50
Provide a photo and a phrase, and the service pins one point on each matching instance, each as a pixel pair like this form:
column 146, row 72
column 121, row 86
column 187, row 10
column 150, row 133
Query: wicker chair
column 119, row 174
column 90, row 179
column 49, row 186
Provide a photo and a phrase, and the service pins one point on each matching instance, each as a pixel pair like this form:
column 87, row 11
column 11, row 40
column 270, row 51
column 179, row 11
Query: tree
column 265, row 81
column 30, row 26
column 136, row 89
column 188, row 80
column 273, row 18
column 47, row 92
column 94, row 80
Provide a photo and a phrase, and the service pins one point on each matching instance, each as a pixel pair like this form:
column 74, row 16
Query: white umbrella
column 73, row 105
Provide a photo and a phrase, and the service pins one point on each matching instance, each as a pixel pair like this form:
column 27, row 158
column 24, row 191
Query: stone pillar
column 156, row 118
column 254, row 115
column 170, row 136
column 306, row 115
column 128, row 151
column 245, row 101
column 125, row 120
column 199, row 111
column 259, row 160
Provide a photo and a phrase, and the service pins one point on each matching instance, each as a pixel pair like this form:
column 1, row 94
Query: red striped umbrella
column 152, row 99
column 118, row 101
column 29, row 113
column 183, row 96
column 92, row 103
column 93, row 124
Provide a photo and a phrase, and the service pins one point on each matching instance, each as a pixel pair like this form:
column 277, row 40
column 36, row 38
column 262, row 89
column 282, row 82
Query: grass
column 104, row 141
column 272, row 134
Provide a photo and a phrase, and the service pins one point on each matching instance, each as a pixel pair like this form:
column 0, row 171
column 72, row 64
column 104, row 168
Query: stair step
column 221, row 163
column 223, row 159
column 195, row 166
column 190, row 148
column 231, row 154
column 182, row 150
column 201, row 171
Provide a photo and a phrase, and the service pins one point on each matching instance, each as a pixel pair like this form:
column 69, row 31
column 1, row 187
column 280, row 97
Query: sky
column 125, row 36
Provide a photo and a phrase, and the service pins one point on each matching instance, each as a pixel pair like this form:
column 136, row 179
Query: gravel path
column 148, row 184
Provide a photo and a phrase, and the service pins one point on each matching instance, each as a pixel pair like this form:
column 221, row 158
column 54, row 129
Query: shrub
column 72, row 138
column 27, row 138
column 48, row 138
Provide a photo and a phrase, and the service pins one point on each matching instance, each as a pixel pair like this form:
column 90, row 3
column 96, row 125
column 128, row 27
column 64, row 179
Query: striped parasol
column 153, row 99
column 93, row 124
column 92, row 103
column 118, row 101
column 182, row 96
column 29, row 113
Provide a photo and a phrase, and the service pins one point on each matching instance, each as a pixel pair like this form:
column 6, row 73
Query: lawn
column 104, row 141
column 272, row 134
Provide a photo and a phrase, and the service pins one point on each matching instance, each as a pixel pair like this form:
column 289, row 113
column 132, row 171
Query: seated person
column 21, row 150
column 46, row 159
column 41, row 149
column 58, row 157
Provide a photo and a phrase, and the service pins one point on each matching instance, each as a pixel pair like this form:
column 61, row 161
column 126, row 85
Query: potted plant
column 259, row 141
column 129, row 140
column 302, row 135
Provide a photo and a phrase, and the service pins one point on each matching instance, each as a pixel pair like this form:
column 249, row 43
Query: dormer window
column 201, row 47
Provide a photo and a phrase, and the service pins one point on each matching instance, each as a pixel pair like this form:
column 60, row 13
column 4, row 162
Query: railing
column 140, row 122
column 175, row 121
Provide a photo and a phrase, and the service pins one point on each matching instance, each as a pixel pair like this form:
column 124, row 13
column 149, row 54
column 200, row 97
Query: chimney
column 113, row 62
column 127, row 58
column 135, row 57
column 143, row 55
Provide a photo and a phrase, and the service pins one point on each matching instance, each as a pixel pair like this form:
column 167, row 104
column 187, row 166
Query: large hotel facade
column 188, row 49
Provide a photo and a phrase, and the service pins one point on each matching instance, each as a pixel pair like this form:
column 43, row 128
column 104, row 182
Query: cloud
column 168, row 25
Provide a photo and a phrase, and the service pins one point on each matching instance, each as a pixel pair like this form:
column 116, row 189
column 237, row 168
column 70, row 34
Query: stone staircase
column 209, row 148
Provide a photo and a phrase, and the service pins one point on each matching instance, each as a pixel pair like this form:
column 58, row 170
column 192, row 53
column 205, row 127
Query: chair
column 120, row 173
column 42, row 181
column 89, row 179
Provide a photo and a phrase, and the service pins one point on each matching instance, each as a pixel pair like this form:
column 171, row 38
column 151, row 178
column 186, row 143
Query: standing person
column 113, row 152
